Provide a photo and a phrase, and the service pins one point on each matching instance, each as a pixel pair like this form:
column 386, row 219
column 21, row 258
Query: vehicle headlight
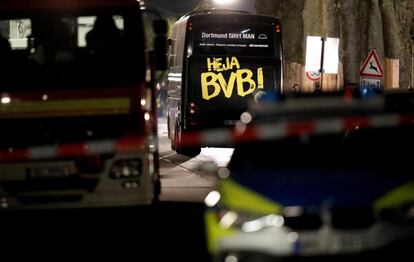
column 263, row 222
column 126, row 169
column 248, row 223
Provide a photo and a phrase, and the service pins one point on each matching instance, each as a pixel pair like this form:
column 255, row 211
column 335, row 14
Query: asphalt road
column 183, row 178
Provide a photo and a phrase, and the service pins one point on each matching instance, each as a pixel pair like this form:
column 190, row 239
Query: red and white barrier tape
column 286, row 129
column 76, row 150
column 214, row 137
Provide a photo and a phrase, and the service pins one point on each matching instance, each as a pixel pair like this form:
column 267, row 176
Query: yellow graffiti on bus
column 213, row 81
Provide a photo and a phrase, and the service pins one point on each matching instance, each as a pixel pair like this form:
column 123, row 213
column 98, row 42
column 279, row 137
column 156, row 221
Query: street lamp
column 224, row 2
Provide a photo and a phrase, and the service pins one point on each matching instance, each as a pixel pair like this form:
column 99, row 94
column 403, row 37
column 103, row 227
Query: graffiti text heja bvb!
column 213, row 81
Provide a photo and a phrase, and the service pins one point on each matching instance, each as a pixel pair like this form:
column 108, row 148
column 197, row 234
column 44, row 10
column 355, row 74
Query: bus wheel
column 174, row 138
column 177, row 137
column 187, row 151
column 157, row 192
column 168, row 127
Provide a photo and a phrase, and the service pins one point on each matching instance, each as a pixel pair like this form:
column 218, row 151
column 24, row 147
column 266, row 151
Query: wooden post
column 412, row 64
column 322, row 70
column 391, row 73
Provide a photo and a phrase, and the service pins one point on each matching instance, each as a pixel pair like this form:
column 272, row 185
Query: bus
column 77, row 114
column 219, row 61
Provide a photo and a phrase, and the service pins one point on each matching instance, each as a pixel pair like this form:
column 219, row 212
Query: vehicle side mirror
column 160, row 44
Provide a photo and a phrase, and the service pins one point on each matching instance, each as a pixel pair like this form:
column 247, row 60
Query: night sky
column 181, row 7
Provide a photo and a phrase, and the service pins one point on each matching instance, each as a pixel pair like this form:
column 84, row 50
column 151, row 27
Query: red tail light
column 193, row 109
column 278, row 29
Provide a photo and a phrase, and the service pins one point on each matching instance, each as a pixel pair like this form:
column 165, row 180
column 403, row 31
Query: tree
column 386, row 25
column 4, row 29
column 351, row 38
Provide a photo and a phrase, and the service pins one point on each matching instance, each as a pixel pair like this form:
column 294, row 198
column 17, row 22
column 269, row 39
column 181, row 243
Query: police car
column 323, row 178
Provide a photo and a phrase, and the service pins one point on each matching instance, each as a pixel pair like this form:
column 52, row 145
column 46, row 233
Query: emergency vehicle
column 77, row 112
column 319, row 179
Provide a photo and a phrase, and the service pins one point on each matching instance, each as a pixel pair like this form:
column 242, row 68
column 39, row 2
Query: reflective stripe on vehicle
column 401, row 195
column 75, row 107
column 122, row 145
column 238, row 197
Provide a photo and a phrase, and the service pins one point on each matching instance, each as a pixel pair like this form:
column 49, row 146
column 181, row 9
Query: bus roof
column 215, row 11
column 226, row 14
column 29, row 6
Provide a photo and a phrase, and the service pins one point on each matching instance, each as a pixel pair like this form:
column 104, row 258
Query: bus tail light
column 193, row 109
column 126, row 168
column 278, row 29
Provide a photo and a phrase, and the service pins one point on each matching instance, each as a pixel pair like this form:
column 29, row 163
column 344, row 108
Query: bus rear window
column 245, row 40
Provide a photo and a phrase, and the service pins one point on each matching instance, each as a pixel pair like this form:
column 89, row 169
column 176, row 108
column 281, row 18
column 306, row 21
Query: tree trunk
column 394, row 39
column 350, row 40
column 312, row 18
column 293, row 30
column 375, row 30
column 330, row 23
column 392, row 29
column 4, row 29
column 269, row 7
column 404, row 12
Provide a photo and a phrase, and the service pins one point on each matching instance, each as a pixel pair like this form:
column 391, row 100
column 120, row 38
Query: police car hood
column 316, row 188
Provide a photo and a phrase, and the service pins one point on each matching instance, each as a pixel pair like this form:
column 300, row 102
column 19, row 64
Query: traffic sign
column 313, row 76
column 314, row 54
column 372, row 83
column 372, row 66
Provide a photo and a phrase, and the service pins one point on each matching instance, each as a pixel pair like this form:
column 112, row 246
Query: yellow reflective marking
column 238, row 197
column 97, row 106
column 401, row 195
column 213, row 231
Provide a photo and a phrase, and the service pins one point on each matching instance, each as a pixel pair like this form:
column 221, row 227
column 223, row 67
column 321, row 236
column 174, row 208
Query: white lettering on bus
column 249, row 36
column 212, row 35
column 235, row 36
